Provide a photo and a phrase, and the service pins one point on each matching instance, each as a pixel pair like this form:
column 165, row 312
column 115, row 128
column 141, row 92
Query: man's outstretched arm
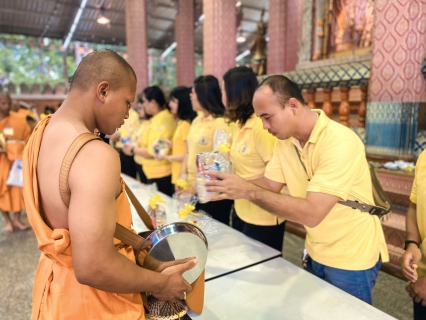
column 309, row 212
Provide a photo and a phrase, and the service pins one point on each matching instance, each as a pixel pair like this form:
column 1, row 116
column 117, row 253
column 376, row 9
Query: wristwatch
column 407, row 242
column 132, row 151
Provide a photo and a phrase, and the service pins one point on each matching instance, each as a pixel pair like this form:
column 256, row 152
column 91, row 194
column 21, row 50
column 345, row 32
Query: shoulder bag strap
column 139, row 209
column 363, row 207
column 121, row 233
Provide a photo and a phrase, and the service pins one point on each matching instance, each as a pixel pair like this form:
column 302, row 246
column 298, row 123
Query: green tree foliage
column 32, row 60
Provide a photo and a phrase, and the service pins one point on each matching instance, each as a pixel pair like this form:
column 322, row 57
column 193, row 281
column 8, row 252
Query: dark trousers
column 219, row 210
column 164, row 185
column 419, row 311
column 272, row 236
column 142, row 176
column 128, row 165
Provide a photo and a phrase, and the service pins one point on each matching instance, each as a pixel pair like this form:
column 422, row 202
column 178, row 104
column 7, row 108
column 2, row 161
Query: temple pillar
column 219, row 36
column 184, row 35
column 284, row 32
column 397, row 86
column 136, row 41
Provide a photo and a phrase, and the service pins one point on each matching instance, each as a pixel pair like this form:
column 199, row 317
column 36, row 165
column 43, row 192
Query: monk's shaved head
column 102, row 65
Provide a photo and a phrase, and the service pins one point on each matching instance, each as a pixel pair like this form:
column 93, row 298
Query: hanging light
column 241, row 38
column 102, row 19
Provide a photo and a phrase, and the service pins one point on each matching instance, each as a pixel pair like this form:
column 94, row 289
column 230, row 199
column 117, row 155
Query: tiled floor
column 19, row 257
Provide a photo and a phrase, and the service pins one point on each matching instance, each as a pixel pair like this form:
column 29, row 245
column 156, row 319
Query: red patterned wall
column 184, row 34
column 284, row 31
column 294, row 33
column 399, row 47
column 277, row 37
column 136, row 41
column 219, row 34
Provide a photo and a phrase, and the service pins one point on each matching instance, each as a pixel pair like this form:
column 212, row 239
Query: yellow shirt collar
column 320, row 125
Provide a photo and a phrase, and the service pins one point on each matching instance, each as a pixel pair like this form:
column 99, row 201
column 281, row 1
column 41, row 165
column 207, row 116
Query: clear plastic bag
column 187, row 213
column 207, row 162
column 156, row 209
column 160, row 147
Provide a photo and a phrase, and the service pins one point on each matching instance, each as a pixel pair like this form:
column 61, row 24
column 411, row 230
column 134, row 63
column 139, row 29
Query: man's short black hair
column 283, row 88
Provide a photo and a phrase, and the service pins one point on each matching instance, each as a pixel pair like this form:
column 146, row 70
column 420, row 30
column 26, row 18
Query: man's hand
column 417, row 290
column 230, row 186
column 127, row 150
column 176, row 287
column 410, row 262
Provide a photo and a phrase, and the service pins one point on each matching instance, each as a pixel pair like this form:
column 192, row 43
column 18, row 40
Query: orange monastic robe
column 16, row 132
column 57, row 294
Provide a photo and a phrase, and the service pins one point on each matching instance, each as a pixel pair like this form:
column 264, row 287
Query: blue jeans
column 357, row 283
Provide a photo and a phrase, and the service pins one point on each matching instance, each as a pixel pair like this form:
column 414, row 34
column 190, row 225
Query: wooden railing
column 340, row 104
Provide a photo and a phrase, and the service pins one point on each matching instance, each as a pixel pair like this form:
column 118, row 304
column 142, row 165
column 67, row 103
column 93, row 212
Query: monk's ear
column 102, row 90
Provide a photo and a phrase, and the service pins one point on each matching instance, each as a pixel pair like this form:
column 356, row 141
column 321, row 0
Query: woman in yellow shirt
column 207, row 102
column 181, row 109
column 144, row 124
column 251, row 149
column 162, row 126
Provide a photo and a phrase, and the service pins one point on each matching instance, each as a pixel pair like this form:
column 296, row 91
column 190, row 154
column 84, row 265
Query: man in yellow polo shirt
column 323, row 164
column 414, row 259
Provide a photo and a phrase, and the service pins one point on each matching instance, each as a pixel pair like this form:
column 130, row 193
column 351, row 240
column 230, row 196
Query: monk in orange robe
column 84, row 272
column 16, row 133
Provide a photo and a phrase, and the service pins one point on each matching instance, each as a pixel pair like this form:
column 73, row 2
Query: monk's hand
column 159, row 266
column 230, row 186
column 410, row 261
column 175, row 286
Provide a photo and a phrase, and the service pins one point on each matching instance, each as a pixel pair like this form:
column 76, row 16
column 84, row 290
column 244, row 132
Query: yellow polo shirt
column 419, row 192
column 251, row 149
column 200, row 139
column 129, row 128
column 142, row 128
column 162, row 126
column 179, row 147
column 335, row 161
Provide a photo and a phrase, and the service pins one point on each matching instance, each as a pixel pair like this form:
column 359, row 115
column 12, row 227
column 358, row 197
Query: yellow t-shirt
column 162, row 126
column 142, row 128
column 335, row 162
column 179, row 147
column 129, row 128
column 200, row 139
column 251, row 149
column 419, row 192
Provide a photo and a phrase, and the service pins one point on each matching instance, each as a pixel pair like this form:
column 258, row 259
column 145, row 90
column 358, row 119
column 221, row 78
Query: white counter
column 229, row 250
column 246, row 279
column 277, row 289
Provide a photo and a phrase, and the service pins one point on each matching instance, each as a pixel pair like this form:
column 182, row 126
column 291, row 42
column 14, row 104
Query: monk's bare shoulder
column 96, row 165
